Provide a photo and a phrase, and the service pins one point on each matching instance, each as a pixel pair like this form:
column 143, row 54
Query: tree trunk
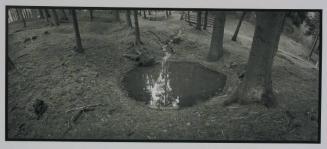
column 91, row 15
column 16, row 14
column 313, row 45
column 149, row 12
column 12, row 15
column 189, row 18
column 128, row 18
column 281, row 31
column 79, row 47
column 182, row 15
column 167, row 15
column 20, row 16
column 257, row 84
column 144, row 15
column 28, row 13
column 198, row 20
column 137, row 29
column 217, row 37
column 10, row 64
column 234, row 38
column 47, row 16
column 23, row 13
column 205, row 22
column 117, row 16
column 64, row 15
column 169, row 12
column 55, row 17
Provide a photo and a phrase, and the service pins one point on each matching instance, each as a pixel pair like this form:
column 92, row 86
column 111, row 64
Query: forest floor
column 48, row 69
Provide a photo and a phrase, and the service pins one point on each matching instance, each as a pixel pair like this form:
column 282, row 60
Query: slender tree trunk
column 234, row 38
column 10, row 18
column 167, row 15
column 79, row 47
column 11, row 65
column 198, row 20
column 314, row 45
column 217, row 37
column 55, row 17
column 189, row 18
column 20, row 16
column 23, row 14
column 169, row 12
column 12, row 15
column 149, row 12
column 64, row 15
column 15, row 14
column 182, row 15
column 47, row 16
column 205, row 22
column 28, row 13
column 128, row 18
column 91, row 15
column 144, row 15
column 257, row 84
column 137, row 29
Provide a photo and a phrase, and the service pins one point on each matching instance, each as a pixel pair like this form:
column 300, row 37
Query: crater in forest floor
column 173, row 85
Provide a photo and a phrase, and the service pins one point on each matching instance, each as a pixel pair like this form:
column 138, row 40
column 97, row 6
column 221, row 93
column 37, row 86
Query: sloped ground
column 49, row 70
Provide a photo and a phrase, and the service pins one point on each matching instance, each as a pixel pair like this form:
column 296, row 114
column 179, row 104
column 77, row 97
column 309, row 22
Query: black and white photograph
column 141, row 74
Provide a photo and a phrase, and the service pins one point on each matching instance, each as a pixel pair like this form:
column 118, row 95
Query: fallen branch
column 85, row 108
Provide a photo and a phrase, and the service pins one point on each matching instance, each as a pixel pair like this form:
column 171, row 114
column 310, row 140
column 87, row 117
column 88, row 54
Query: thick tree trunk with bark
column 217, row 37
column 137, row 29
column 20, row 16
column 257, row 84
column 128, row 18
column 234, row 38
column 79, row 47
column 55, row 17
column 205, row 22
column 198, row 20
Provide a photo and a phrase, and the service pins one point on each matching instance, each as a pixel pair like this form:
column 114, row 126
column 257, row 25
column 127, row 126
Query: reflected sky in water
column 171, row 85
